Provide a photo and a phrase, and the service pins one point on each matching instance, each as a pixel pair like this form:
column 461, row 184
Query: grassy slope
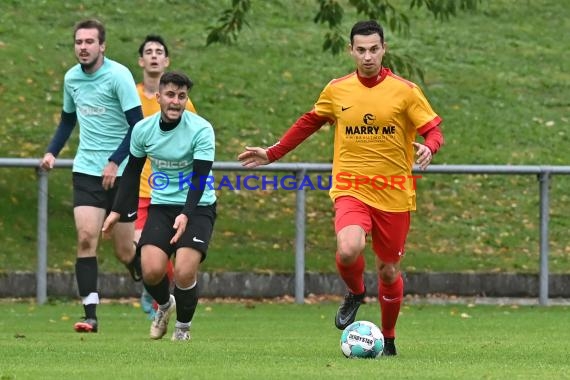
column 501, row 85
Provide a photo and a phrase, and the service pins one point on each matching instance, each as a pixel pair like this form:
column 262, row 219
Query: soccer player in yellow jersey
column 376, row 117
column 153, row 59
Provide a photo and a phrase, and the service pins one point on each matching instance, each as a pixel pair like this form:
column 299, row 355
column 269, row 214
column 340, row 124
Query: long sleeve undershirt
column 305, row 126
column 310, row 122
column 133, row 116
column 66, row 124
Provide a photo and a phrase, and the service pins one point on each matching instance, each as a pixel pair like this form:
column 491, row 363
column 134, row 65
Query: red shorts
column 387, row 229
column 142, row 213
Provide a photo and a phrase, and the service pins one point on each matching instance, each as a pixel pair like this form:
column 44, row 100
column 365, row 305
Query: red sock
column 352, row 274
column 390, row 298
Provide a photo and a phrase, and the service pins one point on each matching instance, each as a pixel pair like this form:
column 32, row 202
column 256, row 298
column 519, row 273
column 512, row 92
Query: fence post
column 41, row 274
column 544, row 183
column 300, row 238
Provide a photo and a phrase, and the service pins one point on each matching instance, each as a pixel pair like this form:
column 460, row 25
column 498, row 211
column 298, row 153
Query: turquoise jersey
column 172, row 154
column 100, row 100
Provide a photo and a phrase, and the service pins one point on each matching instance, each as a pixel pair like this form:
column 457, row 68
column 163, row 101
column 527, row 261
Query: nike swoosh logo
column 348, row 317
column 389, row 299
column 131, row 214
column 345, row 108
column 197, row 240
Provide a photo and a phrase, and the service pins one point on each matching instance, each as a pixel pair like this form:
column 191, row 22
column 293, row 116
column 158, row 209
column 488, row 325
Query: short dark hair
column 366, row 28
column 91, row 24
column 153, row 38
column 177, row 78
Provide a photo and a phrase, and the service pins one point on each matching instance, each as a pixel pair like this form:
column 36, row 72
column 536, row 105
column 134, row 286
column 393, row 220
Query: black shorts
column 158, row 228
column 88, row 191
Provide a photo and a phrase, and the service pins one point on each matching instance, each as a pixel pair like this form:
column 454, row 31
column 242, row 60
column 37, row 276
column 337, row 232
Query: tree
column 331, row 12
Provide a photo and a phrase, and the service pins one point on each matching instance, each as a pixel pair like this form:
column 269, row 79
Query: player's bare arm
column 423, row 154
column 253, row 157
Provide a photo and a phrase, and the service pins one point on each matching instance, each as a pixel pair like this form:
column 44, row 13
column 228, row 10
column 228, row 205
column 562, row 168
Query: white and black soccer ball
column 362, row 339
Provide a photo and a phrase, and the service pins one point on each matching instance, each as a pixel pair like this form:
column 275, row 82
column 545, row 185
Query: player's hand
column 180, row 226
column 109, row 223
column 47, row 162
column 109, row 175
column 423, row 154
column 253, row 157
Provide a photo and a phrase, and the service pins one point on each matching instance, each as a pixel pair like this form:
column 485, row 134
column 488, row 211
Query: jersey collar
column 373, row 81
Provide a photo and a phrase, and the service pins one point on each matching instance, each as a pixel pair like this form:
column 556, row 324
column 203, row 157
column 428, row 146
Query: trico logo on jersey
column 164, row 164
column 90, row 111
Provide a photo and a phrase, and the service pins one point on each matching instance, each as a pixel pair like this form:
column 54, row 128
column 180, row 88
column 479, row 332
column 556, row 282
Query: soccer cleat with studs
column 346, row 313
column 389, row 347
column 180, row 334
column 159, row 325
column 86, row 325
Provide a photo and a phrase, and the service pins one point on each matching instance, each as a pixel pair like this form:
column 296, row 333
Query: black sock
column 90, row 311
column 160, row 292
column 86, row 271
column 134, row 266
column 186, row 302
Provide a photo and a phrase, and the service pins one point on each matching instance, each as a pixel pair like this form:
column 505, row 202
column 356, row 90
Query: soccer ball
column 362, row 339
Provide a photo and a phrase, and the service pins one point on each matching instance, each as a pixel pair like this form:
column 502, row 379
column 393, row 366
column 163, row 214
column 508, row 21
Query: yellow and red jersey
column 375, row 122
column 150, row 106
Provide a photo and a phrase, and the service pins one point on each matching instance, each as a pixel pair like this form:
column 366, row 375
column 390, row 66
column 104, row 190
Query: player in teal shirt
column 101, row 95
column 100, row 99
column 172, row 154
column 181, row 216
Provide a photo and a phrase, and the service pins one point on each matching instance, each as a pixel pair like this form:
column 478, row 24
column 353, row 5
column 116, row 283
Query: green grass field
column 284, row 341
column 499, row 78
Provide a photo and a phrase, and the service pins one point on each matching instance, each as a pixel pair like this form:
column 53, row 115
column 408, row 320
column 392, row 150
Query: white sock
column 91, row 298
column 188, row 288
column 182, row 325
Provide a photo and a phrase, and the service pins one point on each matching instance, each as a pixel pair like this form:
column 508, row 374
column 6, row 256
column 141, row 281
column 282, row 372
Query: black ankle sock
column 186, row 302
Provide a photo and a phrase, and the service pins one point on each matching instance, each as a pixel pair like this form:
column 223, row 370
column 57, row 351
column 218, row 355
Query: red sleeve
column 433, row 137
column 305, row 126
